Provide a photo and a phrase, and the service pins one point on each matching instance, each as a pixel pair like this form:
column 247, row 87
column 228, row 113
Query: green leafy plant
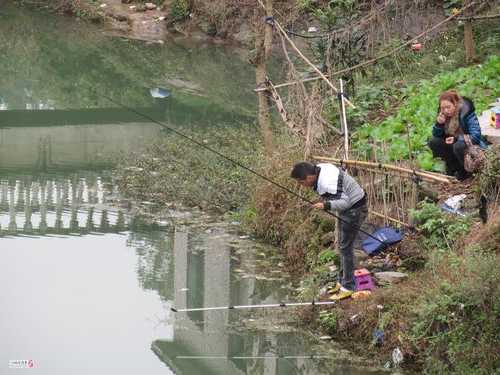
column 440, row 230
column 179, row 9
column 481, row 83
column 328, row 320
column 327, row 256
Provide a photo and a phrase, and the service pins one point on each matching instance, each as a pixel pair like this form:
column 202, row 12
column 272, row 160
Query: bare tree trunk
column 470, row 50
column 263, row 45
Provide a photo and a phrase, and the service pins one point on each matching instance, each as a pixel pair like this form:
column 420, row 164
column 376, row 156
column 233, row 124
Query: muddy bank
column 149, row 22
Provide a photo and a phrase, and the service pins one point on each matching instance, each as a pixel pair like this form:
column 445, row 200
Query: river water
column 86, row 285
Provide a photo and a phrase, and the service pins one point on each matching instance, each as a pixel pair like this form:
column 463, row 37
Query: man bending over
column 341, row 193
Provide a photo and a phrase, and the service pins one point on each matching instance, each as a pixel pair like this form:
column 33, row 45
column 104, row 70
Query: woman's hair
column 451, row 96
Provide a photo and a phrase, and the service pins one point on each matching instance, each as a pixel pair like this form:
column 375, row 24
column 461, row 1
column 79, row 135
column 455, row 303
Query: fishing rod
column 265, row 306
column 312, row 356
column 235, row 162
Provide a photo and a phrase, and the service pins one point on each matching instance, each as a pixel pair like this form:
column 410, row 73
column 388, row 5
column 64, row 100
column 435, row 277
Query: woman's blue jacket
column 468, row 122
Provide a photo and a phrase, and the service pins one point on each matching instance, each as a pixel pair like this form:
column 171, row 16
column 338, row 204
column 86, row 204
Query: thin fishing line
column 235, row 162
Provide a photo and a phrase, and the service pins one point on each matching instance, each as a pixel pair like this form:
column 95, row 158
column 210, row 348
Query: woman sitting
column 455, row 118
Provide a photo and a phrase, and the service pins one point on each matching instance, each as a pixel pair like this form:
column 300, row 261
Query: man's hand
column 441, row 119
column 319, row 206
column 449, row 140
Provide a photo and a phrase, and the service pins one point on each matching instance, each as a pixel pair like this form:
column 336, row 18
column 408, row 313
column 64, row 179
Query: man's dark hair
column 303, row 169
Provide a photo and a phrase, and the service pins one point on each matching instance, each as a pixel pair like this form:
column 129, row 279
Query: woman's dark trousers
column 453, row 155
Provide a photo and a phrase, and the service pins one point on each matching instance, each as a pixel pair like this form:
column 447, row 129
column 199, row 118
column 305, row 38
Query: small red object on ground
column 416, row 47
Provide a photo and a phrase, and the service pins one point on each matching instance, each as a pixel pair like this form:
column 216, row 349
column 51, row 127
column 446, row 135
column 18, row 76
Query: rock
column 126, row 1
column 332, row 268
column 359, row 256
column 150, row 6
column 390, row 277
column 121, row 17
column 245, row 34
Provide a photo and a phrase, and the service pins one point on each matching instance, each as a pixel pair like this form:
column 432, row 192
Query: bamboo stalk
column 389, row 218
column 344, row 120
column 405, row 175
column 280, row 106
column 358, row 163
column 384, row 198
column 303, row 57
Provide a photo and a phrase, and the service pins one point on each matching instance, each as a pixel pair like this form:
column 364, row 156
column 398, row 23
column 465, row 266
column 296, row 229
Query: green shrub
column 328, row 320
column 457, row 324
column 179, row 10
column 440, row 230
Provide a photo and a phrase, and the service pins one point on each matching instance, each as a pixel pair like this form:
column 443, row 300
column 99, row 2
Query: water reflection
column 42, row 140
column 222, row 342
column 155, row 268
column 186, row 266
column 59, row 204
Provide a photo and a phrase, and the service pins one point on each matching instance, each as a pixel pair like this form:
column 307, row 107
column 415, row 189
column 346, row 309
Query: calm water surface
column 86, row 286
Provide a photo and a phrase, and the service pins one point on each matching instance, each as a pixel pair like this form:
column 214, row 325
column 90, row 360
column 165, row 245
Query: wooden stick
column 286, row 84
column 476, row 18
column 280, row 106
column 361, row 163
column 374, row 166
column 320, row 73
column 389, row 218
column 303, row 57
column 344, row 121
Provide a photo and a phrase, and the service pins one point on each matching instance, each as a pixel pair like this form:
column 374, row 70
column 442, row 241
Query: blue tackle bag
column 387, row 236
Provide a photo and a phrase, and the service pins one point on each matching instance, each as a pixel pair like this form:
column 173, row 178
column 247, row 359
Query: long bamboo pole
column 344, row 120
column 312, row 356
column 360, row 163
